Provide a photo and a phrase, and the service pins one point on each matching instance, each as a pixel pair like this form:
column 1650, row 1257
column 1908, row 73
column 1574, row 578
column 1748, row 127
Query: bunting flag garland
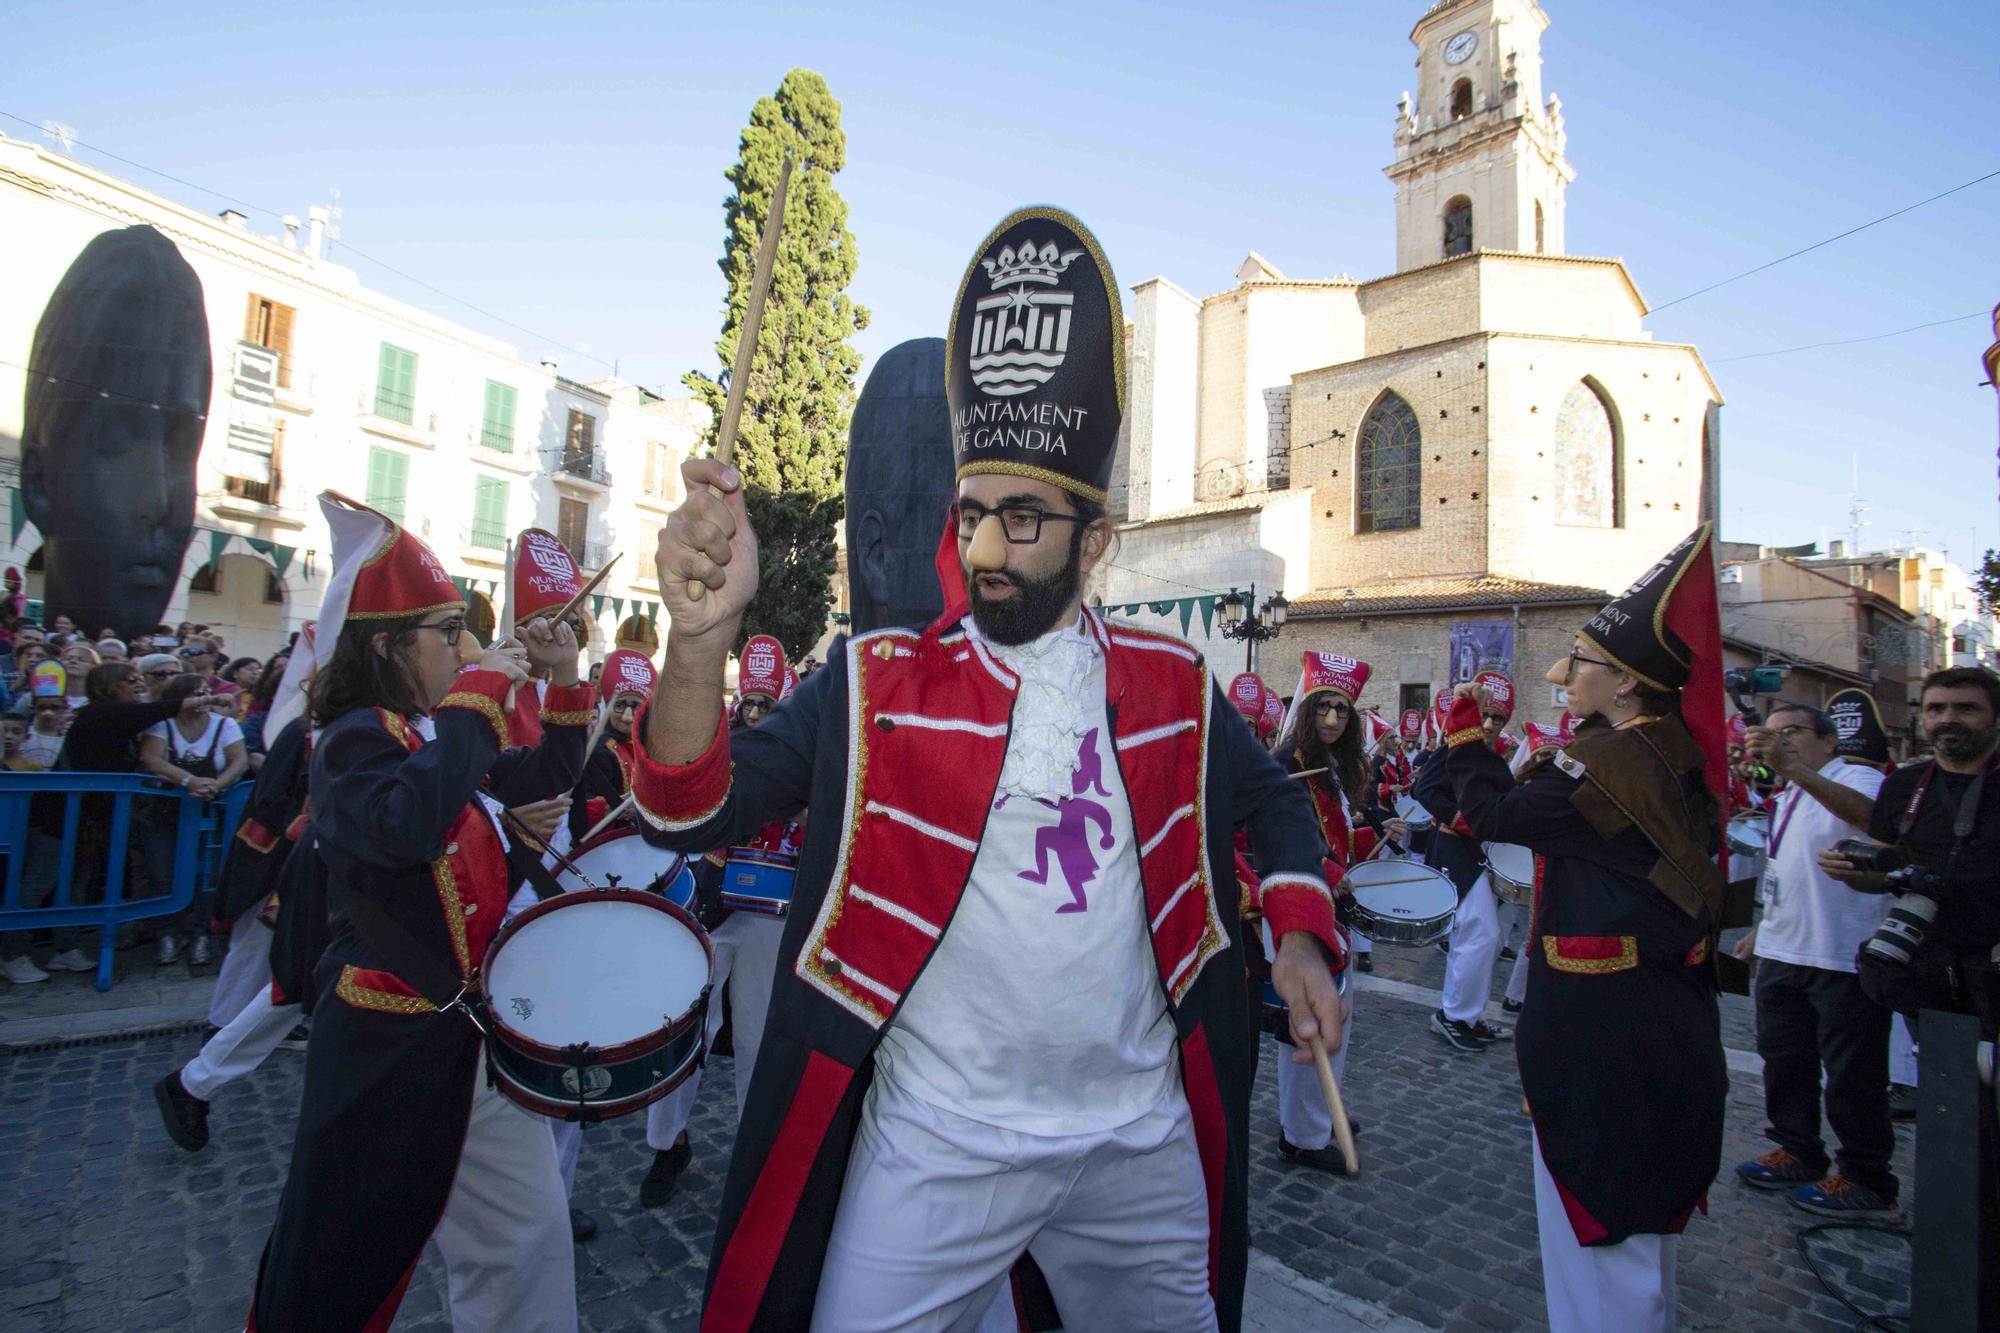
column 1185, row 607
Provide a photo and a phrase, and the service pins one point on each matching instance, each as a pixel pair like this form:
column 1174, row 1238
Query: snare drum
column 759, row 881
column 1400, row 902
column 1510, row 869
column 596, row 1002
column 619, row 858
column 1413, row 814
column 1277, row 1014
column 1749, row 843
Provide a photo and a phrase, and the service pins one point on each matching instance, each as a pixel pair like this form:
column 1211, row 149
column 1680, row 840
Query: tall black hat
column 1035, row 369
column 1859, row 724
column 1657, row 628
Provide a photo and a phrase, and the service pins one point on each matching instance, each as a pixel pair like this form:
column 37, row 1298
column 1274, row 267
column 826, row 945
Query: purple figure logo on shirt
column 1068, row 839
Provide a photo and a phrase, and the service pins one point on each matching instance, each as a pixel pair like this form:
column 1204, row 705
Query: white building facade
column 321, row 383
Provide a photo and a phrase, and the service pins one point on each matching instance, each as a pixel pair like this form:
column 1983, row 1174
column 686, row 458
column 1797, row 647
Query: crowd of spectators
column 171, row 705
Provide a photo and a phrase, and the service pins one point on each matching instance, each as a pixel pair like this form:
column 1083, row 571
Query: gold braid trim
column 485, row 707
column 1465, row 736
column 367, row 997
column 1627, row 959
column 579, row 718
column 1001, row 467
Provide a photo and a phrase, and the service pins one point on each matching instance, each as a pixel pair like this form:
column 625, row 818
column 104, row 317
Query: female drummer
column 1324, row 739
column 1619, row 1041
column 400, row 1137
column 623, row 686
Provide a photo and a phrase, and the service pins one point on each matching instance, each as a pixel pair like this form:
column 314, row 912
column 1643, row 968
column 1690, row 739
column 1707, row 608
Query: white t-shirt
column 179, row 747
column 1810, row 918
column 1041, row 1011
column 41, row 750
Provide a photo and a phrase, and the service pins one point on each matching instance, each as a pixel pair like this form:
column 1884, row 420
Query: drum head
column 597, row 971
column 1401, row 890
column 1415, row 815
column 636, row 863
column 1750, row 834
column 1510, row 861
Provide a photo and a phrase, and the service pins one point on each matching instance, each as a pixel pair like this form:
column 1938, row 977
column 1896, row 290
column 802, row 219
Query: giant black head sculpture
column 118, row 386
column 899, row 483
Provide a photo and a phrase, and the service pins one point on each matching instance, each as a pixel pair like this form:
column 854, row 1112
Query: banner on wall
column 1481, row 645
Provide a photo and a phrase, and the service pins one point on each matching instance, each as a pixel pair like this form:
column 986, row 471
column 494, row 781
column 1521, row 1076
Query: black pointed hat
column 1035, row 368
column 1859, row 724
column 1647, row 630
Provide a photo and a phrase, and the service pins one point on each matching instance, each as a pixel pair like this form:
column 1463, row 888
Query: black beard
column 1958, row 742
column 1034, row 609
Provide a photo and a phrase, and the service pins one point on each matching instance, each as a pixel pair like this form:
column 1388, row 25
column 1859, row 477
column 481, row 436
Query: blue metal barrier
column 39, row 860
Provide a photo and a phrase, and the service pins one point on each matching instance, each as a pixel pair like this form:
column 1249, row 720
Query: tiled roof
column 1441, row 594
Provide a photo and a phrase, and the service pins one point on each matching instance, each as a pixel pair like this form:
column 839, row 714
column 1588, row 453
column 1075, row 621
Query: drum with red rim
column 619, row 858
column 596, row 1001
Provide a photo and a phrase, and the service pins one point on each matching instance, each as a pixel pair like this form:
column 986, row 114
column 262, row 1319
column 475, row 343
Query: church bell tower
column 1479, row 153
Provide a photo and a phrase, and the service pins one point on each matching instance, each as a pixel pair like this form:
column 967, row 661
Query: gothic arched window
column 1389, row 462
column 1587, row 459
column 1539, row 238
column 1458, row 227
column 1461, row 99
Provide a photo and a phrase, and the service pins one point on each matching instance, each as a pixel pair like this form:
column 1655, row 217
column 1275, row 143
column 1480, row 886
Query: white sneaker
column 71, row 960
column 22, row 971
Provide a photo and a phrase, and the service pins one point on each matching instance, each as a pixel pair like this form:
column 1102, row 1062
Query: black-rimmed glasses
column 1578, row 659
column 1021, row 525
column 1322, row 706
column 451, row 629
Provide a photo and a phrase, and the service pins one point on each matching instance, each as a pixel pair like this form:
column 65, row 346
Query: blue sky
column 561, row 166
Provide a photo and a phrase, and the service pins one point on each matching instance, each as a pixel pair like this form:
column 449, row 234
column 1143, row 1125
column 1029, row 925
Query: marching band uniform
column 1480, row 927
column 400, row 1137
column 1619, row 1044
column 746, row 946
column 607, row 773
column 1009, row 1012
column 1305, row 1122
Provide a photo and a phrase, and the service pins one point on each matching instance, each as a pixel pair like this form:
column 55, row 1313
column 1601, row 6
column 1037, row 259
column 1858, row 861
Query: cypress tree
column 792, row 444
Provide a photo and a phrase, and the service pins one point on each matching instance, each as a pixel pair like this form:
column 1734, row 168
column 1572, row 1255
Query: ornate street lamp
column 1243, row 619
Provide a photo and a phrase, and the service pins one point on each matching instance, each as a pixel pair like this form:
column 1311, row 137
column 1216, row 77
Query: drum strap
column 406, row 958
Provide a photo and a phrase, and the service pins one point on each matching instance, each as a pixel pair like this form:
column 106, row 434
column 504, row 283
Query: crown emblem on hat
column 1028, row 264
column 1020, row 335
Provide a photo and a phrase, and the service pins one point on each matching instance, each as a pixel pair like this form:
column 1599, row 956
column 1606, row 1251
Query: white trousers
column 746, row 962
column 246, row 967
column 241, row 1045
column 1902, row 1053
column 1630, row 1287
column 936, row 1208
column 1302, row 1110
column 505, row 1231
column 1475, row 947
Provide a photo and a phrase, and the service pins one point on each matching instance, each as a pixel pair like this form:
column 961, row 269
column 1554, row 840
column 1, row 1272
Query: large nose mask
column 988, row 552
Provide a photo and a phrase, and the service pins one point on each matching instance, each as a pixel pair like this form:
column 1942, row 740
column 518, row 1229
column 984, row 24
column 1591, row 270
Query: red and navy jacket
column 864, row 741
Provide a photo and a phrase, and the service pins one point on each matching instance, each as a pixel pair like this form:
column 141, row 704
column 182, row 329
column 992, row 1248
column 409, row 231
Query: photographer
column 1941, row 823
column 1810, row 1007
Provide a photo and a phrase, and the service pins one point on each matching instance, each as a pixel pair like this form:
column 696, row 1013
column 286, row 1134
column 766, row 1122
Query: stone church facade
column 1487, row 434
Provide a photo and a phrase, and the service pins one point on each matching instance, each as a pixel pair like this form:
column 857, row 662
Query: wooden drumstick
column 1343, row 1132
column 1306, row 773
column 605, row 822
column 746, row 337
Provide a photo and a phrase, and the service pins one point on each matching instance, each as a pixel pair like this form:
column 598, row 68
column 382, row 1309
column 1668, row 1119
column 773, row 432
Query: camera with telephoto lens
column 1916, row 887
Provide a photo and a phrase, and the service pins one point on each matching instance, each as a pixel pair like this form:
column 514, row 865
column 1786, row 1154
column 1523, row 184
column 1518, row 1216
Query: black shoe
column 208, row 1033
column 1444, row 946
column 200, row 953
column 1507, row 955
column 1510, row 1006
column 1327, row 1159
column 658, row 1186
column 1486, row 1032
column 184, row 1114
column 1459, row 1036
column 725, row 1040
column 582, row 1226
column 1902, row 1102
column 296, row 1039
column 1365, row 962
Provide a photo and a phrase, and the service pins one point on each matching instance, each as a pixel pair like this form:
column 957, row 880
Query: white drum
column 1400, row 902
column 1510, row 869
column 1413, row 814
column 1749, row 842
column 596, row 1002
column 619, row 858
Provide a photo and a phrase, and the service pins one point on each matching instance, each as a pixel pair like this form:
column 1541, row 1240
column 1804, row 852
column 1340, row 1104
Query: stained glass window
column 1586, row 460
column 1389, row 459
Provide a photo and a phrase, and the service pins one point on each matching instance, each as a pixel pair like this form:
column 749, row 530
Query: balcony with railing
column 585, row 464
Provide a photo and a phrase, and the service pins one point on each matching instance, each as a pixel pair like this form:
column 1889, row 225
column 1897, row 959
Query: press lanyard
column 1783, row 821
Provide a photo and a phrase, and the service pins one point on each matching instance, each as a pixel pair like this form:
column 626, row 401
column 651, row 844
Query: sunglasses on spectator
column 196, row 652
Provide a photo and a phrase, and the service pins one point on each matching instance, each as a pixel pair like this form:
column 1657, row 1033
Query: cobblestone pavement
column 111, row 1227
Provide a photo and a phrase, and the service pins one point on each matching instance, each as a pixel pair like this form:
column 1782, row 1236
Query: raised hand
column 708, row 542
